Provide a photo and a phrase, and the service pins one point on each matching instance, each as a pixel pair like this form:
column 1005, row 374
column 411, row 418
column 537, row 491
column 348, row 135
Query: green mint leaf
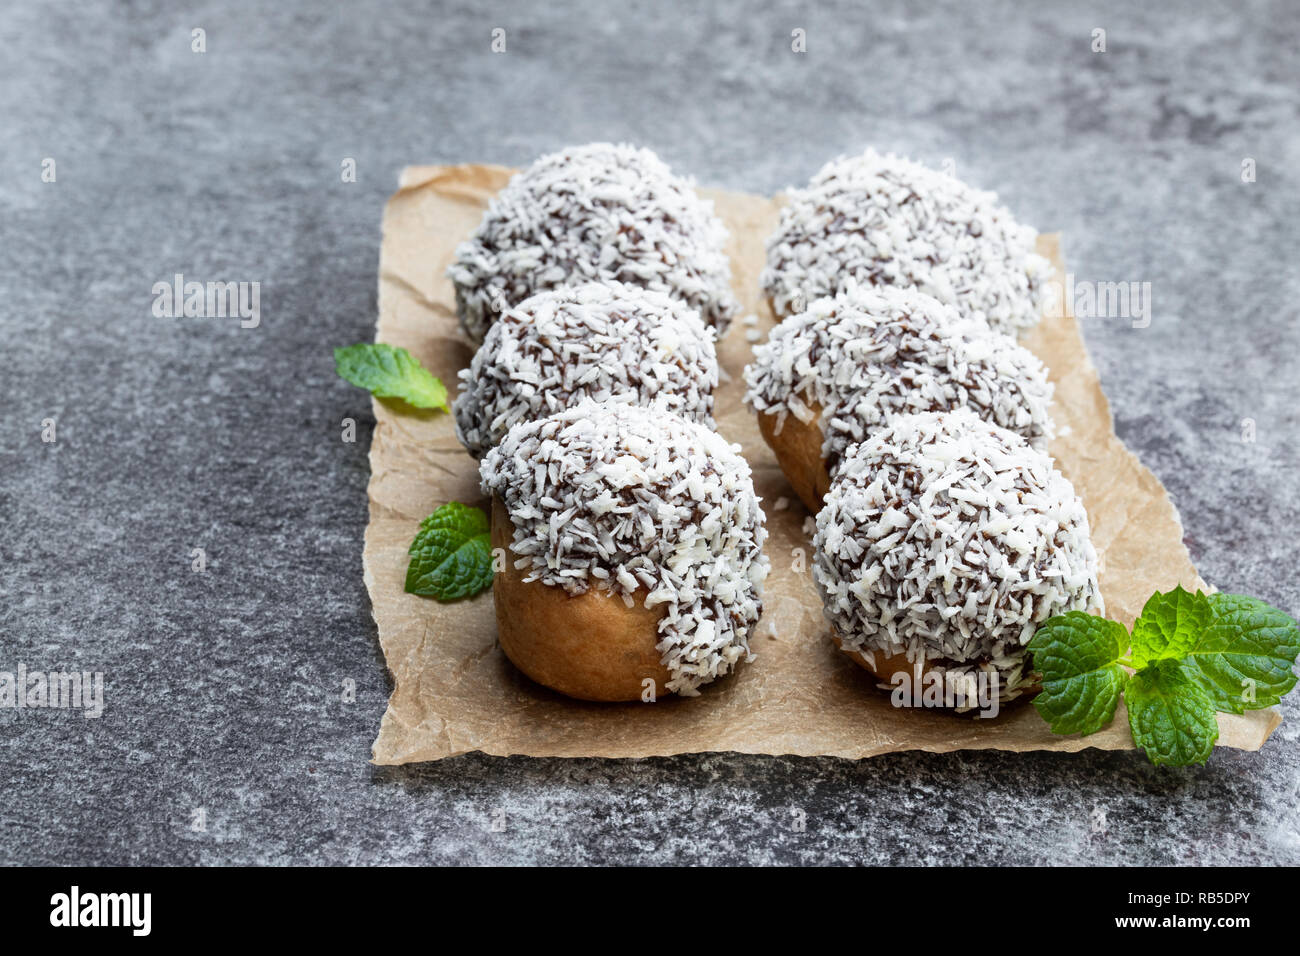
column 1194, row 654
column 1244, row 655
column 451, row 556
column 1169, row 625
column 1170, row 715
column 387, row 371
column 1077, row 655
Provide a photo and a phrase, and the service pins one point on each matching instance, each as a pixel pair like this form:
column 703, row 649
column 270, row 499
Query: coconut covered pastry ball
column 828, row 377
column 945, row 541
column 588, row 213
column 882, row 220
column 607, row 342
column 635, row 551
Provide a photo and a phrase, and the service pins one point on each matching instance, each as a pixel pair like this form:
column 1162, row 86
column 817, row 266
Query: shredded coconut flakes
column 607, row 342
column 593, row 213
column 623, row 497
column 949, row 539
column 869, row 355
column 883, row 220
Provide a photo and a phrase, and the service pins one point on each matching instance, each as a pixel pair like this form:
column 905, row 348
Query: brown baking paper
column 455, row 691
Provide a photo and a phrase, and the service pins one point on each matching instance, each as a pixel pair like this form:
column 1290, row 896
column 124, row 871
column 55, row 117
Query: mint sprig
column 1192, row 655
column 388, row 371
column 451, row 556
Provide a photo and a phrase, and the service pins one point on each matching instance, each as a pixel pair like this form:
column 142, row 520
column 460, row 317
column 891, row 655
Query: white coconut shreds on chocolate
column 606, row 342
column 623, row 497
column 950, row 539
column 591, row 213
column 883, row 220
column 868, row 355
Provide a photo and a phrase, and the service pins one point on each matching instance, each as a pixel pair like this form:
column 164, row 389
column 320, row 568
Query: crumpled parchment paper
column 455, row 690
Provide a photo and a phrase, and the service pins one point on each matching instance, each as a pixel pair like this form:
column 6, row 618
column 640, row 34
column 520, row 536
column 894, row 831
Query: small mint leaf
column 1077, row 655
column 1169, row 625
column 1244, row 655
column 451, row 556
column 1170, row 715
column 387, row 371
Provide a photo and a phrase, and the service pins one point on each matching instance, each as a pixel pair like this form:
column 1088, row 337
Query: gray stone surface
column 224, row 687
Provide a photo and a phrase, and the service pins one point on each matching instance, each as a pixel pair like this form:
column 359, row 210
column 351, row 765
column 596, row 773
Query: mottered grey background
column 224, row 689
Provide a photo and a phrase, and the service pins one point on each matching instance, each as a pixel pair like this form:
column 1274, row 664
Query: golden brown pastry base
column 798, row 451
column 591, row 646
column 887, row 667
